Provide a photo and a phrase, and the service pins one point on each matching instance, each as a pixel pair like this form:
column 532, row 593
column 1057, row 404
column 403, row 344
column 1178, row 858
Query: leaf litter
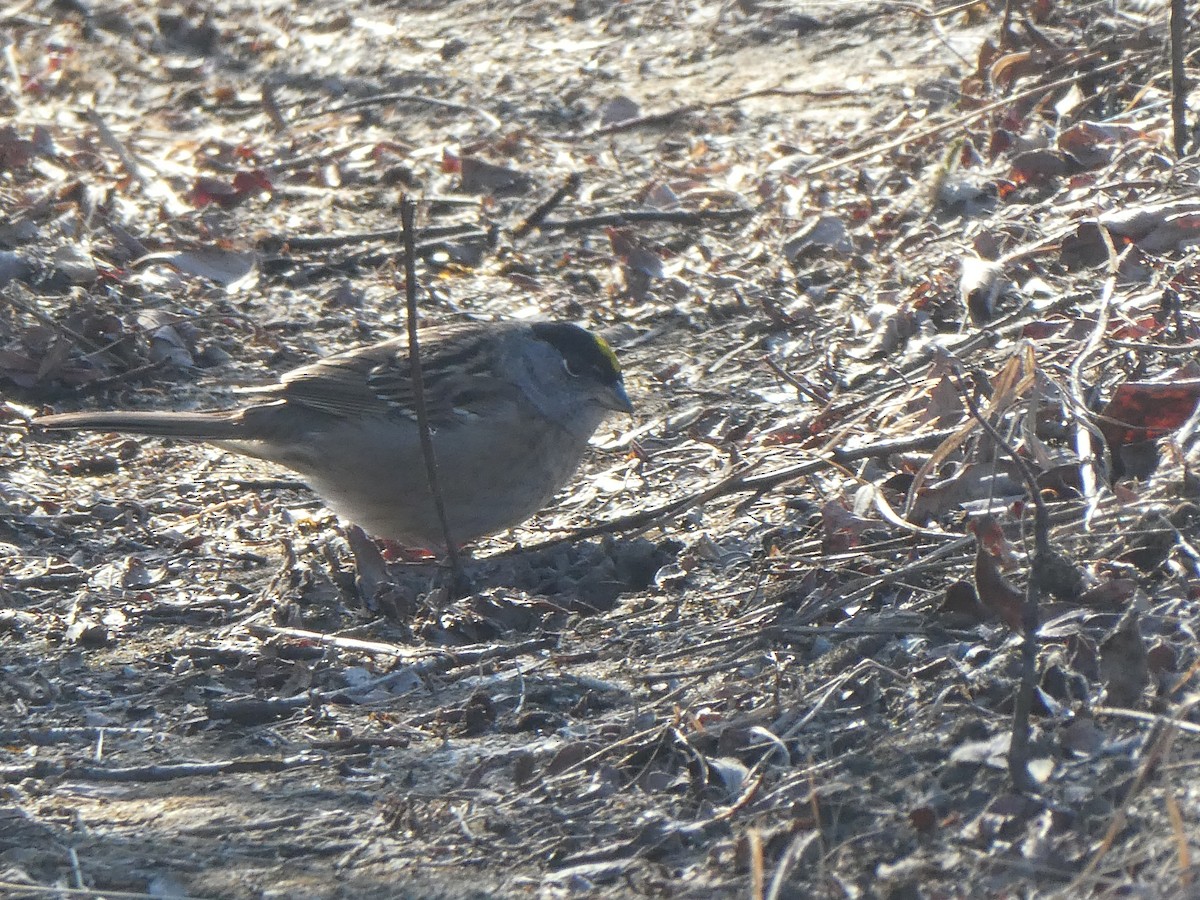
column 776, row 653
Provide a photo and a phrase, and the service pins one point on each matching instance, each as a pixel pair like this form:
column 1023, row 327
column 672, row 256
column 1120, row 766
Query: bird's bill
column 616, row 399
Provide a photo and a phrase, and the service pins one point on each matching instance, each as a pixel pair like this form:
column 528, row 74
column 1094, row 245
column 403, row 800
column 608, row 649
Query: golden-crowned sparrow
column 511, row 408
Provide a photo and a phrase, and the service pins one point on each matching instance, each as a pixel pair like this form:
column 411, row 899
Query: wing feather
column 458, row 364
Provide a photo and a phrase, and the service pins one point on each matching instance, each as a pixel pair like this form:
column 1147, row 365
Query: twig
column 15, row 889
column 646, row 518
column 253, row 711
column 12, row 69
column 638, row 216
column 662, row 118
column 539, row 786
column 964, row 119
column 377, row 99
column 93, row 347
column 856, row 591
column 1178, row 77
column 276, row 242
column 368, row 259
column 695, row 650
column 534, row 220
column 658, row 118
column 790, row 857
column 1008, row 326
column 424, row 662
column 735, row 659
column 474, row 656
column 128, row 160
column 333, row 640
column 157, row 773
column 118, row 377
column 777, row 727
column 1120, row 712
column 1089, row 467
column 408, row 213
column 46, row 737
column 1018, row 750
column 742, row 481
column 840, row 456
column 271, row 107
column 1147, row 347
column 757, row 877
column 356, row 741
column 801, row 387
column 76, row 869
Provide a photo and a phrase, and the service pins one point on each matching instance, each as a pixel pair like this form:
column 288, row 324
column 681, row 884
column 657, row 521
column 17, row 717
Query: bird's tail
column 190, row 426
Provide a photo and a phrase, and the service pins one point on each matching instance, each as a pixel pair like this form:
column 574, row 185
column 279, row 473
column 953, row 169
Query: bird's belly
column 486, row 484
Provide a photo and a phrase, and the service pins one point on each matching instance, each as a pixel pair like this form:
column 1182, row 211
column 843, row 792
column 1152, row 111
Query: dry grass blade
column 1183, row 850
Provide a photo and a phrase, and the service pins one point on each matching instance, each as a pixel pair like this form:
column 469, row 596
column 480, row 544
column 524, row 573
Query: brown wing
column 376, row 380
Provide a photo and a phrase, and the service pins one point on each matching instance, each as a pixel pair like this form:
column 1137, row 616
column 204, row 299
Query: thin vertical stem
column 408, row 210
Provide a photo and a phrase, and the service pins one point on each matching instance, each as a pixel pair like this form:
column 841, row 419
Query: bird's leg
column 452, row 580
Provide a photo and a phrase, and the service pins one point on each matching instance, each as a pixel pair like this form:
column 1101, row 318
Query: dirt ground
column 756, row 648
